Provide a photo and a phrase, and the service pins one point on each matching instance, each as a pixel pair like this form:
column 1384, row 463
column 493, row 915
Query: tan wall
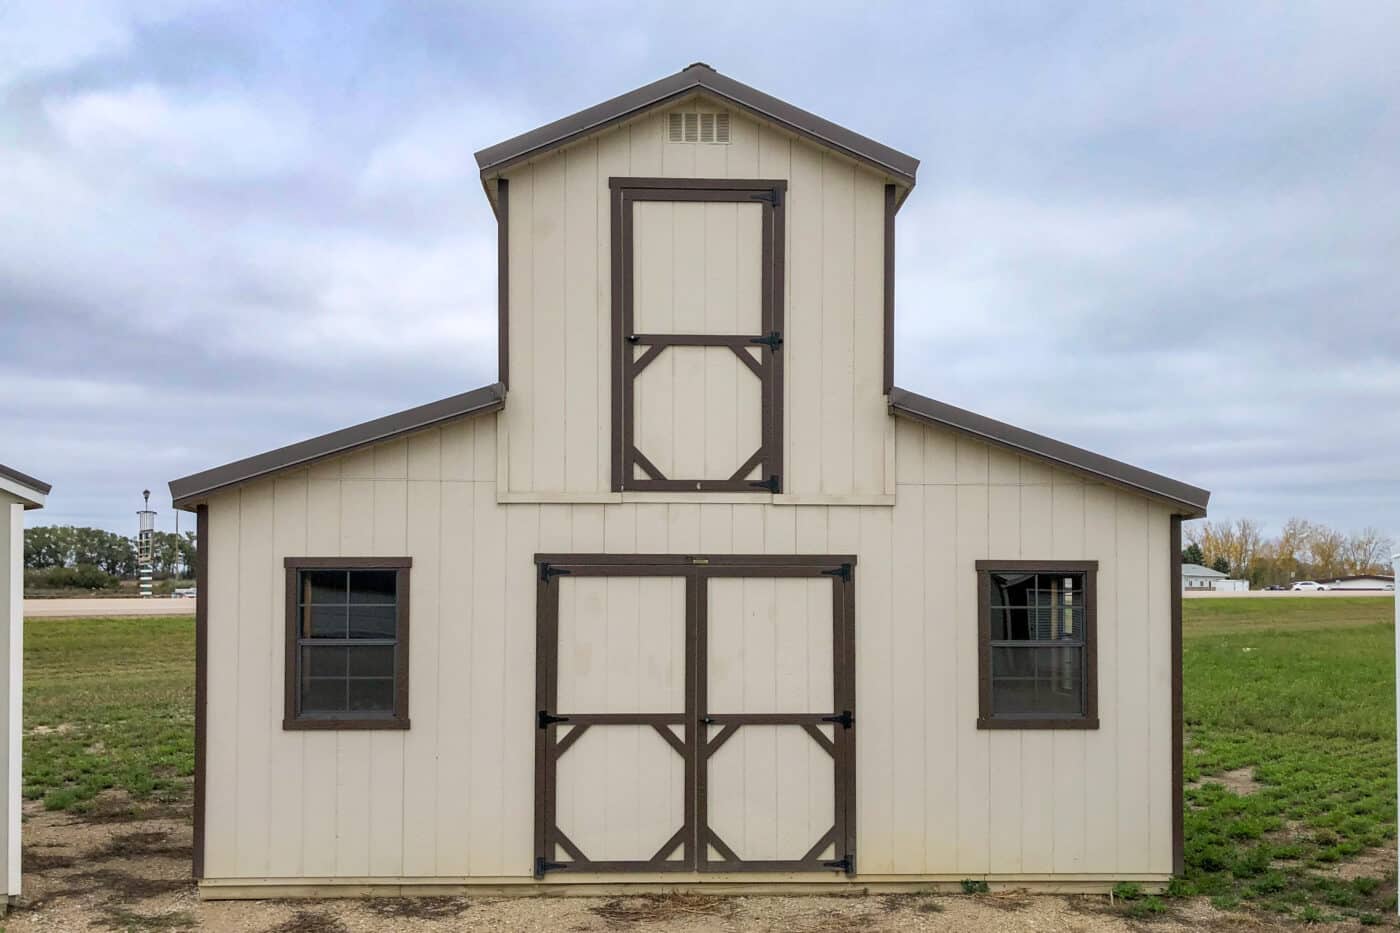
column 453, row 795
column 557, row 425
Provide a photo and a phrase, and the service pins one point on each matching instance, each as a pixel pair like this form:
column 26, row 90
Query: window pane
column 373, row 586
column 1038, row 681
column 373, row 621
column 323, row 622
column 372, row 695
column 324, row 662
column 323, row 695
column 322, row 587
column 371, row 661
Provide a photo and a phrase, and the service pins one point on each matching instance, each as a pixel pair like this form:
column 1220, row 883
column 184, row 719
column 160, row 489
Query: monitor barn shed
column 699, row 596
column 18, row 494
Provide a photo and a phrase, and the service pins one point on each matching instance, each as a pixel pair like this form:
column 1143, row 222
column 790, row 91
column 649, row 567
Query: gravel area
column 126, row 867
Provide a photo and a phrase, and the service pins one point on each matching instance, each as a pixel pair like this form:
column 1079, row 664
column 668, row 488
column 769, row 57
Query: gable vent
column 697, row 127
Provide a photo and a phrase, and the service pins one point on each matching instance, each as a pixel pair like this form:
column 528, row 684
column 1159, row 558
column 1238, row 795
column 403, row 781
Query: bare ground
column 126, row 867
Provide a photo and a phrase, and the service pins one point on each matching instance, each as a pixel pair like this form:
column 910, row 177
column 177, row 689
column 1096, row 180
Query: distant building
column 1196, row 577
column 1365, row 581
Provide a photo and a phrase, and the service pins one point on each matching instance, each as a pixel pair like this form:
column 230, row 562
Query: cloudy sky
column 1166, row 232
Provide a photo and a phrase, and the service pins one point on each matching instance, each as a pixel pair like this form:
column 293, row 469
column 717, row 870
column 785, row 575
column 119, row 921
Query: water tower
column 146, row 545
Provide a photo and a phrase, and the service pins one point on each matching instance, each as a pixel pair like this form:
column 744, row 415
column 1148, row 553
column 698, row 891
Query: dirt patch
column 116, row 917
column 62, row 728
column 1371, row 863
column 309, row 921
column 1240, row 781
column 916, row 903
column 416, row 908
column 658, row 908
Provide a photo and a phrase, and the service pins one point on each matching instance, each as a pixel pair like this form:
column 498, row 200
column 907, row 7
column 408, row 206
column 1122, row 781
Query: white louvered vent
column 704, row 126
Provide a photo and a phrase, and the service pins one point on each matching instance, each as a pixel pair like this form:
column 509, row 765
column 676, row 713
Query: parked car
column 1275, row 587
column 185, row 592
column 1308, row 586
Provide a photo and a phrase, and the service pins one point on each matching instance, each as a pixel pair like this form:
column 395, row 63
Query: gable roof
column 699, row 77
column 1189, row 500
column 32, row 492
column 188, row 490
column 1197, row 570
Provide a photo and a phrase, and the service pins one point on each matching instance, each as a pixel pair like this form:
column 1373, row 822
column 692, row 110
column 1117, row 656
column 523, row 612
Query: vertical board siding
column 453, row 796
column 558, row 423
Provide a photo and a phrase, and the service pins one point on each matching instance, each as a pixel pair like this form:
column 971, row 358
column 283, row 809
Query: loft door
column 695, row 714
column 697, row 334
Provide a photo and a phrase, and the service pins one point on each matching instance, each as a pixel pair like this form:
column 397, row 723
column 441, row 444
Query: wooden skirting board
column 216, row 889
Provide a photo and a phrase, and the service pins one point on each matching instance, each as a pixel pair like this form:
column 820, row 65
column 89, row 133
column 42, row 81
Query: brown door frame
column 695, row 836
column 627, row 365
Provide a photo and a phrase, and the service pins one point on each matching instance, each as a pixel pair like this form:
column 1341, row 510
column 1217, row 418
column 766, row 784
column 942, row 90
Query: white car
column 185, row 592
column 1308, row 586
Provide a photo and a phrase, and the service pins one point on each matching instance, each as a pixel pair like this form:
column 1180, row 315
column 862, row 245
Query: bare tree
column 1366, row 551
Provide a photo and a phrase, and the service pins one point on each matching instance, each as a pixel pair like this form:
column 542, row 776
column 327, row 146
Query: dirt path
column 125, row 869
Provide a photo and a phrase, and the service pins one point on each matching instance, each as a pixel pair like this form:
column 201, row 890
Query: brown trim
column 503, row 282
column 292, row 719
column 189, row 490
column 626, row 365
column 986, row 719
column 1190, row 500
column 1178, row 722
column 891, row 205
column 201, row 682
column 695, row 78
column 695, row 834
column 24, row 479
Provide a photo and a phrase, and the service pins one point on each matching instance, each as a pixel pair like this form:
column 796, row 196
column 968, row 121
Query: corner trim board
column 201, row 684
column 1178, row 720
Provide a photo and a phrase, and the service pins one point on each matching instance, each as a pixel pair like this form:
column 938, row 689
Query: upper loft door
column 697, row 334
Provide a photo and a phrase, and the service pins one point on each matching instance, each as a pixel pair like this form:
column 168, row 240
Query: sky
column 1169, row 233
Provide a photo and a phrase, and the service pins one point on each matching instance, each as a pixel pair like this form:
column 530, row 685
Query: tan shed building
column 698, row 595
column 19, row 493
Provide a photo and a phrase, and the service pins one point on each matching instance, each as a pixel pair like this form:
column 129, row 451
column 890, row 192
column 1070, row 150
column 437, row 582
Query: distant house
column 1365, row 581
column 18, row 493
column 1196, row 577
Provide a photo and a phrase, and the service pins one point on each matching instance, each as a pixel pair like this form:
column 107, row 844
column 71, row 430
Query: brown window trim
column 985, row 718
column 625, row 458
column 291, row 718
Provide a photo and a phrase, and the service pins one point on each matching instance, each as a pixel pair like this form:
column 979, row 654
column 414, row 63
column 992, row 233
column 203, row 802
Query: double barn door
column 695, row 714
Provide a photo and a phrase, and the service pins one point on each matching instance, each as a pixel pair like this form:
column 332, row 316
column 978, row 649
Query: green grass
column 108, row 703
column 1302, row 692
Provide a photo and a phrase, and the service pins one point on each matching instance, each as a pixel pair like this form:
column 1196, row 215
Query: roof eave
column 698, row 77
column 189, row 491
column 33, row 493
column 1186, row 500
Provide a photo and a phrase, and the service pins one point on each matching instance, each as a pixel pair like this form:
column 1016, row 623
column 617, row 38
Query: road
column 82, row 608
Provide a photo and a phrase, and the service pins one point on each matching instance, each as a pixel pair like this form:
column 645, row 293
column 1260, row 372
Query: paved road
column 77, row 608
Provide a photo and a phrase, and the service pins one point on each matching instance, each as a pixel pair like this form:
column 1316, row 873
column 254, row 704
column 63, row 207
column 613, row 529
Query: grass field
column 1293, row 697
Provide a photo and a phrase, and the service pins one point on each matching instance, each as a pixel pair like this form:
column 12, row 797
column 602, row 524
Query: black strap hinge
column 773, row 341
column 846, row 864
column 773, row 196
column 772, row 483
column 845, row 720
column 844, row 572
column 542, row 866
column 545, row 720
column 549, row 570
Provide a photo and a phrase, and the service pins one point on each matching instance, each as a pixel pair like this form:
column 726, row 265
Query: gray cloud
column 1166, row 233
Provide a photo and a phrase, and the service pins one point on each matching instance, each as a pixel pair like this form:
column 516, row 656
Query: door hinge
column 773, row 341
column 773, row 196
column 542, row 866
column 845, row 720
column 548, row 570
column 545, row 720
column 844, row 572
column 846, row 864
column 772, row 483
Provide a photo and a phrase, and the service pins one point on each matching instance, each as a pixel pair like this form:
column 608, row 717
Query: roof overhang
column 699, row 77
column 189, row 491
column 31, row 492
column 1186, row 500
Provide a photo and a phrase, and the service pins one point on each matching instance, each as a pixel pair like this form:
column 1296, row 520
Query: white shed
column 18, row 493
column 700, row 597
column 1365, row 581
column 1197, row 577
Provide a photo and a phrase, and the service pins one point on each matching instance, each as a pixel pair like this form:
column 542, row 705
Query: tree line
column 48, row 547
column 1302, row 550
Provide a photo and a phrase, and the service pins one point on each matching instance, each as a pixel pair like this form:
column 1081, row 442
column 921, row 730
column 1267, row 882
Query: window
column 347, row 643
column 1038, row 666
